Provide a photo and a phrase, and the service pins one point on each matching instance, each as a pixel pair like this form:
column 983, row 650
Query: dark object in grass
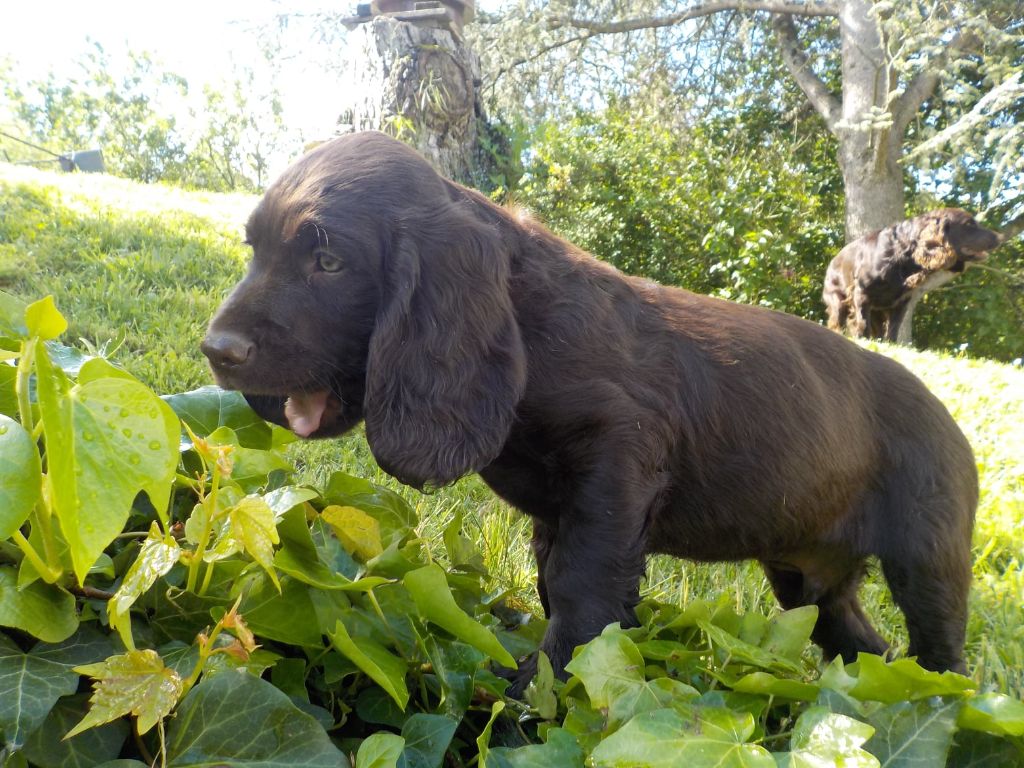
column 874, row 283
column 623, row 416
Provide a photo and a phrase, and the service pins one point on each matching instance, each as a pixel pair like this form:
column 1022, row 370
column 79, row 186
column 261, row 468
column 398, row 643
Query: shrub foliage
column 159, row 548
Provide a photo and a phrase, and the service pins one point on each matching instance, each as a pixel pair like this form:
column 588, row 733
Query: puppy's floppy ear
column 446, row 365
column 933, row 250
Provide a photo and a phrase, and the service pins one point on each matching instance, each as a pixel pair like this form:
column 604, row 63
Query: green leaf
column 429, row 590
column 560, row 749
column 823, row 738
column 767, row 684
column 382, row 666
column 483, row 741
column 283, row 499
column 903, row 680
column 135, row 682
column 994, row 713
column 47, row 747
column 912, row 734
column 356, row 530
column 426, row 740
column 612, row 670
column 106, row 440
column 42, row 319
column 43, row 610
column 397, row 519
column 380, row 750
column 156, row 557
column 236, row 719
column 208, row 408
column 254, row 530
column 974, row 749
column 790, row 632
column 286, row 616
column 298, row 565
column 30, row 683
column 666, row 738
column 20, row 476
column 740, row 650
column 540, row 693
column 29, row 687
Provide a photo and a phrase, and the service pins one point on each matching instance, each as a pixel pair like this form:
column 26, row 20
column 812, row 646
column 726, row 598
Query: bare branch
column 799, row 67
column 793, row 7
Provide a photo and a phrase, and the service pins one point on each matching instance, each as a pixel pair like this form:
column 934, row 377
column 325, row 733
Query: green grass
column 150, row 264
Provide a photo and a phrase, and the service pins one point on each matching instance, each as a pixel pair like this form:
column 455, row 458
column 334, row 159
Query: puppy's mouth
column 308, row 412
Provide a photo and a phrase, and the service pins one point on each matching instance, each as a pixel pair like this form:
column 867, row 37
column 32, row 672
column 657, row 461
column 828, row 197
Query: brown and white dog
column 874, row 283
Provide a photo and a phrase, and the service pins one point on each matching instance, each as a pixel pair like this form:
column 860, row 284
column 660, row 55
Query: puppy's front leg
column 592, row 567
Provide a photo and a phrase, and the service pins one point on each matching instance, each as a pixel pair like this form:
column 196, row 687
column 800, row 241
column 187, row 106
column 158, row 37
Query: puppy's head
column 375, row 292
column 950, row 238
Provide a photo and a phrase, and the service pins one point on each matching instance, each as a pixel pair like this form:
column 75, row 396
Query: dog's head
column 377, row 290
column 949, row 238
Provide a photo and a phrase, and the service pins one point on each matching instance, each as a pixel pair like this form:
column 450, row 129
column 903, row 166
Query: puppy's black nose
column 226, row 349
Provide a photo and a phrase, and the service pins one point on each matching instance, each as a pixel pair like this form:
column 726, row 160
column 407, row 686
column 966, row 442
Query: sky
column 198, row 40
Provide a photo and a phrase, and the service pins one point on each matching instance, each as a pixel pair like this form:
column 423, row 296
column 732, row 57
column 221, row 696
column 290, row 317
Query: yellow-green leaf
column 135, row 682
column 156, row 557
column 44, row 320
column 357, row 531
column 254, row 528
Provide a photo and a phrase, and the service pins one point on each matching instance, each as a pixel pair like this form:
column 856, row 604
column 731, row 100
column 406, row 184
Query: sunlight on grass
column 151, row 264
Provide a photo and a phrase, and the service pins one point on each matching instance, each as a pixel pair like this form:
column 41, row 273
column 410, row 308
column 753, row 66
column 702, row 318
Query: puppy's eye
column 327, row 261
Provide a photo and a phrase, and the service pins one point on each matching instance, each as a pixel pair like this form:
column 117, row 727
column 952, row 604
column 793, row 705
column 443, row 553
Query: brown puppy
column 623, row 416
column 874, row 283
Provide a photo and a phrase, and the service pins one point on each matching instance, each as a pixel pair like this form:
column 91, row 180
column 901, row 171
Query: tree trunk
column 869, row 143
column 420, row 85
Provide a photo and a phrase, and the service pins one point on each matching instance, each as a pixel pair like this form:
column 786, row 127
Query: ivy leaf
column 20, row 476
column 356, row 530
column 426, row 740
column 135, row 682
column 746, row 652
column 106, row 440
column 43, row 610
column 790, row 632
column 429, row 589
column 824, row 738
column 48, row 748
column 903, row 680
column 910, row 734
column 560, row 749
column 767, row 684
column 380, row 750
column 483, row 741
column 382, row 666
column 667, row 738
column 285, row 616
column 233, row 718
column 43, row 319
column 540, row 693
column 29, row 687
column 612, row 670
column 994, row 713
column 156, row 557
column 206, row 409
column 254, row 530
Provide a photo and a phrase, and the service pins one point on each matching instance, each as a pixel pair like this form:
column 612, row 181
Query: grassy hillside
column 147, row 265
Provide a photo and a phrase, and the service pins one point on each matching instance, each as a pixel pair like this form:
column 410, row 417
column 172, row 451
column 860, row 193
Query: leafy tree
column 867, row 68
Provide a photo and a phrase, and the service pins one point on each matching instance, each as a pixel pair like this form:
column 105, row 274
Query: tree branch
column 927, row 80
column 799, row 67
column 795, row 7
column 998, row 98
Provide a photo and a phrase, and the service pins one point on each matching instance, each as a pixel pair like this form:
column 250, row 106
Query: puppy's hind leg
column 842, row 628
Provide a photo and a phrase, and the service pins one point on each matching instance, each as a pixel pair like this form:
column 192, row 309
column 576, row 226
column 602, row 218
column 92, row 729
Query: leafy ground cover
column 237, row 600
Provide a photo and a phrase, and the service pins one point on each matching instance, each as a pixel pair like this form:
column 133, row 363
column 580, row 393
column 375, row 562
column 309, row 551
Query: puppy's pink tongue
column 305, row 411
